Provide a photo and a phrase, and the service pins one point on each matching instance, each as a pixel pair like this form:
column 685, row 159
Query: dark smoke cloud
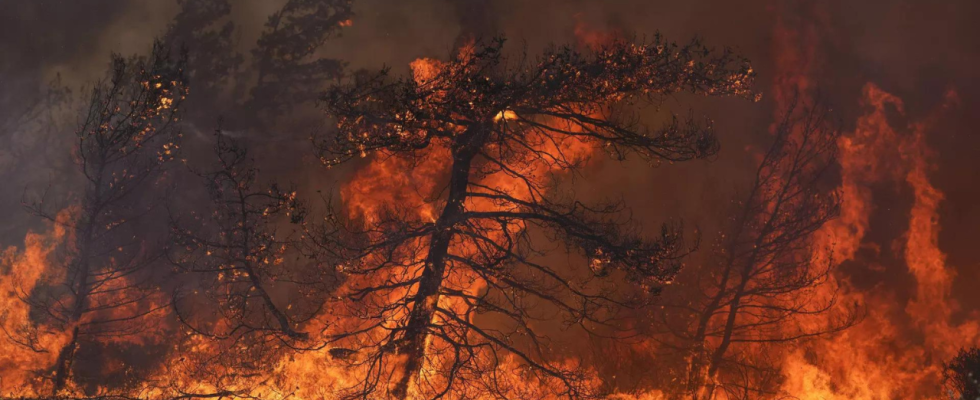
column 916, row 49
column 477, row 18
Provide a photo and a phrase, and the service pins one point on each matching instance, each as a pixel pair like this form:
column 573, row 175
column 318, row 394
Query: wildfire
column 30, row 349
column 21, row 271
column 505, row 115
column 386, row 330
column 896, row 351
column 863, row 363
column 409, row 183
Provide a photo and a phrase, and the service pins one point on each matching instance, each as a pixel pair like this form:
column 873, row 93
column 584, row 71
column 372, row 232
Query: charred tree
column 764, row 285
column 128, row 133
column 288, row 70
column 418, row 284
column 961, row 375
column 237, row 254
column 284, row 70
column 204, row 29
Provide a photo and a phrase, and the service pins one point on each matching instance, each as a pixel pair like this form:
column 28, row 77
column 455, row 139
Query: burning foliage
column 762, row 289
column 462, row 259
column 498, row 132
column 102, row 290
column 898, row 350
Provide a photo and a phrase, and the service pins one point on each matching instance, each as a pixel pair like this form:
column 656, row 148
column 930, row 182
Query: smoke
column 917, row 50
column 477, row 18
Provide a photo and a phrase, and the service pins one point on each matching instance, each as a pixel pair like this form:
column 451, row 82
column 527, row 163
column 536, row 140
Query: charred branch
column 497, row 117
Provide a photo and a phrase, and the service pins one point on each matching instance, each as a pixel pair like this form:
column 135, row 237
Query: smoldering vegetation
column 174, row 231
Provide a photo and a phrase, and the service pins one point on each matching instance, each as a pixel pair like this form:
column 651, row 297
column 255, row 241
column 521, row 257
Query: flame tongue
column 877, row 359
column 411, row 183
column 27, row 348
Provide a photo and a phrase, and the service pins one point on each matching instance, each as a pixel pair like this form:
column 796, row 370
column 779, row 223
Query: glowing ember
column 470, row 239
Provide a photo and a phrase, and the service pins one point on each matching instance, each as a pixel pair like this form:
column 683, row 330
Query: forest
column 258, row 204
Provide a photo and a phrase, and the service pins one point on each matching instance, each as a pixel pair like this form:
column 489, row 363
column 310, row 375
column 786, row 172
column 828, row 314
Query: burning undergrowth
column 458, row 256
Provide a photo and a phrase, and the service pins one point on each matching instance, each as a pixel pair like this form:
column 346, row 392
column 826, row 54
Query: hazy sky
column 916, row 50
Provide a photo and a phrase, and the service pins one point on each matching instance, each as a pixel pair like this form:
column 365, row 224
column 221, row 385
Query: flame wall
column 902, row 76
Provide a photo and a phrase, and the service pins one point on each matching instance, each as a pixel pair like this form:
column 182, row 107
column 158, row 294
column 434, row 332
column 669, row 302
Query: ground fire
column 293, row 200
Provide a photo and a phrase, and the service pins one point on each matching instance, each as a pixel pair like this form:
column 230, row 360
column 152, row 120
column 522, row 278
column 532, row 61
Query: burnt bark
column 426, row 298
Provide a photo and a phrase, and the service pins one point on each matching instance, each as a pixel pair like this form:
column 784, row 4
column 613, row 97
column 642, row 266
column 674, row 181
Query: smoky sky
column 917, row 50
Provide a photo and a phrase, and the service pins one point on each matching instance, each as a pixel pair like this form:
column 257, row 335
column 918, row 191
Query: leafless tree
column 127, row 133
column 238, row 254
column 763, row 286
column 416, row 287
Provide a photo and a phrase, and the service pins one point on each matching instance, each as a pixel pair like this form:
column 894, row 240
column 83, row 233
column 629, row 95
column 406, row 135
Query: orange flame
column 880, row 358
column 26, row 347
column 896, row 352
column 411, row 183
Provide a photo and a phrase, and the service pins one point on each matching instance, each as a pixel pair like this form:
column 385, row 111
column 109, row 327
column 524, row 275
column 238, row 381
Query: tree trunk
column 697, row 375
column 281, row 317
column 253, row 277
column 726, row 340
column 80, row 286
column 427, row 297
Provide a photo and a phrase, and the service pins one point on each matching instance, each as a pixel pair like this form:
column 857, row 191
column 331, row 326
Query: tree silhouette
column 503, row 129
column 284, row 71
column 285, row 60
column 128, row 132
column 961, row 375
column 236, row 253
column 202, row 29
column 763, row 281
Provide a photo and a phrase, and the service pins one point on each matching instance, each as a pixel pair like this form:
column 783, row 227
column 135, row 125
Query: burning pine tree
column 128, row 132
column 448, row 284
